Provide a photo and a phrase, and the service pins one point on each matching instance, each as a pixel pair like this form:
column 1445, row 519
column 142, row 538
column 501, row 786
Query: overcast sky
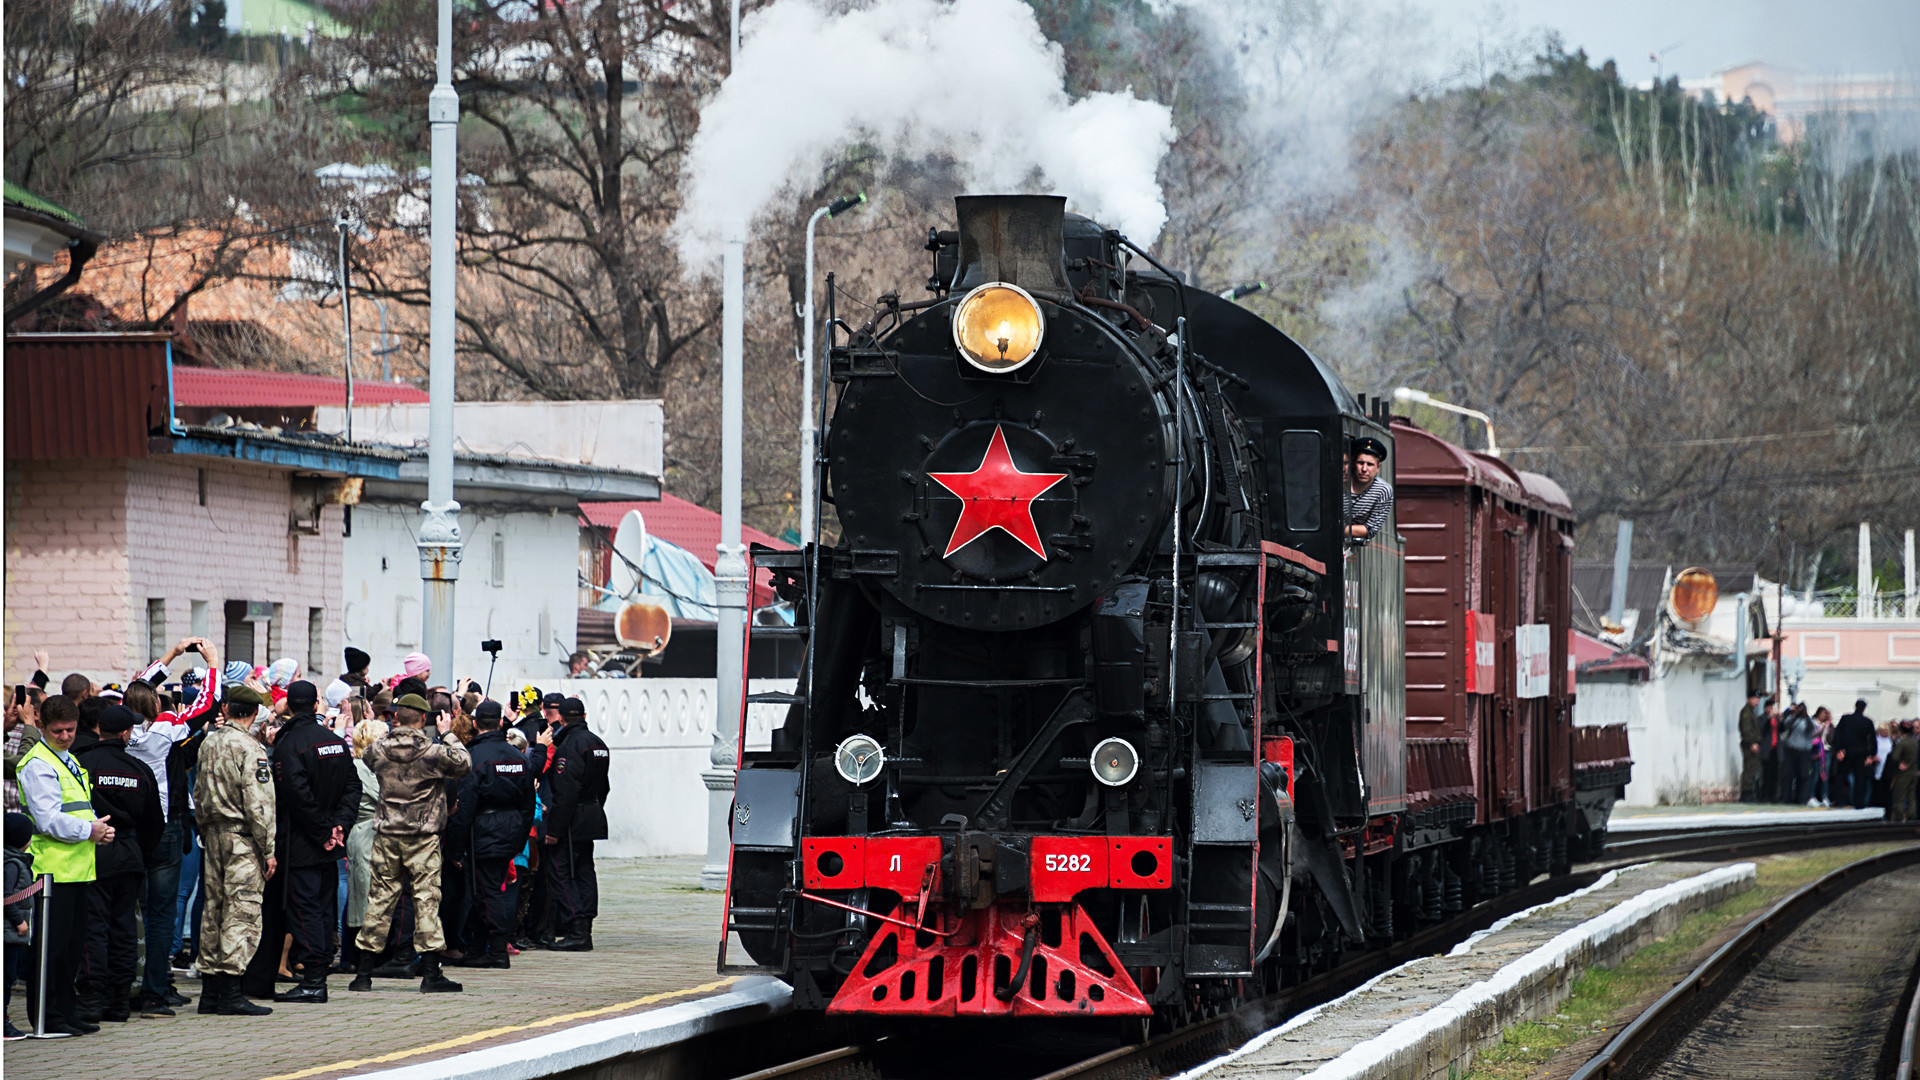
column 1699, row 37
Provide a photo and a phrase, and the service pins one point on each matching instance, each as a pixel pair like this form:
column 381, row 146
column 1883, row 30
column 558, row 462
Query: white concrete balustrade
column 661, row 735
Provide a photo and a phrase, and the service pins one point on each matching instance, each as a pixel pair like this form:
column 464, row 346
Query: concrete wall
column 1683, row 726
column 89, row 543
column 380, row 577
column 661, row 735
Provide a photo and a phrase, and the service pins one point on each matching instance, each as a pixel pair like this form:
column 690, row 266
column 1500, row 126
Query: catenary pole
column 439, row 543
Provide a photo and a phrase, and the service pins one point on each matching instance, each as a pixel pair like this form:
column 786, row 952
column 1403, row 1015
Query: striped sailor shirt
column 1369, row 508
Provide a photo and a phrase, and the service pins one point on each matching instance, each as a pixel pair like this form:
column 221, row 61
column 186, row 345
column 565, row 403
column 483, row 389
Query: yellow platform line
column 478, row 1036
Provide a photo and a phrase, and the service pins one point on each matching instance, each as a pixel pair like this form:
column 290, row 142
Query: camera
column 491, row 645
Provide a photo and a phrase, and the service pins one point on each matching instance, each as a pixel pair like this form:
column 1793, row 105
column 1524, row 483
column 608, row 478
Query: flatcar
column 1102, row 714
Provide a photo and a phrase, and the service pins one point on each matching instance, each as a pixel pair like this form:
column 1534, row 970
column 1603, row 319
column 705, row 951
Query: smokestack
column 1622, row 561
column 1015, row 239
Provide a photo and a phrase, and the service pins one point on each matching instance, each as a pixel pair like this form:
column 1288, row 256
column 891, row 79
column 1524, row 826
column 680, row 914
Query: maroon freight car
column 1492, row 751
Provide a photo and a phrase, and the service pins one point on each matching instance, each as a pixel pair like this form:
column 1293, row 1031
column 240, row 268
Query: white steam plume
column 972, row 80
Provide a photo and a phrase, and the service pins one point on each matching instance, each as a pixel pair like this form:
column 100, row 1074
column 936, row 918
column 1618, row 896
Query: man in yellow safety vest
column 58, row 795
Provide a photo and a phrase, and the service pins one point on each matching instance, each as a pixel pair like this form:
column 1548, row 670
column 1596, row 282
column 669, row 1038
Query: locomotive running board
column 967, row 972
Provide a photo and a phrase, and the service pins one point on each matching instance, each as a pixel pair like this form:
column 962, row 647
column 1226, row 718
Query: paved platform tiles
column 654, row 947
column 1429, row 1015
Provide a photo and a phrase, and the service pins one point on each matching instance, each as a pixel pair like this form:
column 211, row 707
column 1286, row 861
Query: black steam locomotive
column 1101, row 714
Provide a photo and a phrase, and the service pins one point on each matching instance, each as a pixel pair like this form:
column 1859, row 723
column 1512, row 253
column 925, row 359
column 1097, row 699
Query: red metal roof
column 238, row 389
column 84, row 395
column 1592, row 656
column 678, row 522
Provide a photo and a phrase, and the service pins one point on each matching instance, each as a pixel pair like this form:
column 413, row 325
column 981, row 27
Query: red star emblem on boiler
column 997, row 495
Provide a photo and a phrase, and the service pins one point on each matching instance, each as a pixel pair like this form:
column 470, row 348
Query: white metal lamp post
column 730, row 568
column 1408, row 395
column 808, row 432
column 439, row 543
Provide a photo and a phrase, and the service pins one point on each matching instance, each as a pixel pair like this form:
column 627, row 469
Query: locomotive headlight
column 858, row 759
column 998, row 327
column 1114, row 762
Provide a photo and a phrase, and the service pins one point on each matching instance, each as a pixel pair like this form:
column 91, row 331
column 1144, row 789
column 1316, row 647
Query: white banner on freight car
column 1533, row 645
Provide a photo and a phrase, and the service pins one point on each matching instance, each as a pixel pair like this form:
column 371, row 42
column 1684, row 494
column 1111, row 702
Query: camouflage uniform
column 1753, row 732
column 413, row 771
column 1906, row 782
column 233, row 800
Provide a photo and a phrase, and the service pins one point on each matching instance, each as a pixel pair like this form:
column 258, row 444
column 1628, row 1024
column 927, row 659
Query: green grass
column 1601, row 994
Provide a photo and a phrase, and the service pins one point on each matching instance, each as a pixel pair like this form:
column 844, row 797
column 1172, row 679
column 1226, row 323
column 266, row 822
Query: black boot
column 311, row 991
column 118, row 1010
column 212, row 989
column 92, row 1006
column 398, row 966
column 233, row 1001
column 579, row 937
column 362, row 972
column 496, row 955
column 431, row 980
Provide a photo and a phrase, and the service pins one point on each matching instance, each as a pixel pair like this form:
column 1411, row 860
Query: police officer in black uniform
column 125, row 791
column 318, row 791
column 503, row 793
column 576, row 776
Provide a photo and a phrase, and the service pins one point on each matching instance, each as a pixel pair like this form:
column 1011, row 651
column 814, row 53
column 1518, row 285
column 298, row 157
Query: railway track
column 1821, row 985
column 1173, row 1052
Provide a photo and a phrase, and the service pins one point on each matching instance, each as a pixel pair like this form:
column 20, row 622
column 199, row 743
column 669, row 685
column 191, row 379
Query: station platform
column 654, row 949
column 1427, row 1017
column 1632, row 819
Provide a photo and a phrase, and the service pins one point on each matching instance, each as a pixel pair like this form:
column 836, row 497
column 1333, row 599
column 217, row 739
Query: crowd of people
column 247, row 827
column 1806, row 756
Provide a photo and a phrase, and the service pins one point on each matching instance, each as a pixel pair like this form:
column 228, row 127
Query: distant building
column 1836, row 659
column 1790, row 95
column 1677, row 686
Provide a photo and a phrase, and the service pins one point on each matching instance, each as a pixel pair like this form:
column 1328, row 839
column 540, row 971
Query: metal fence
column 1847, row 604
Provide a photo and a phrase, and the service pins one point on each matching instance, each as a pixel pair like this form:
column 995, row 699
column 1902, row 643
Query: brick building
column 126, row 530
column 146, row 501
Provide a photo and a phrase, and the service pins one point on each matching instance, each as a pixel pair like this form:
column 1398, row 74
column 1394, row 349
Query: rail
column 1640, row 1043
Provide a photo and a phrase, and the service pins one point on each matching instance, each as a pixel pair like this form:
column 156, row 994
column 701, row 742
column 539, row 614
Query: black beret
column 302, row 694
column 487, row 710
column 1367, row 444
column 573, row 708
column 117, row 718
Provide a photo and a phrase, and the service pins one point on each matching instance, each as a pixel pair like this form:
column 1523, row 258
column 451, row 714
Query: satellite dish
column 629, row 549
column 643, row 625
column 1694, row 595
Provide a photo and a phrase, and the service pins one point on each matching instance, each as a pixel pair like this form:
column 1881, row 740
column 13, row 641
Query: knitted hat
column 416, row 664
column 19, row 830
column 357, row 660
column 237, row 671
